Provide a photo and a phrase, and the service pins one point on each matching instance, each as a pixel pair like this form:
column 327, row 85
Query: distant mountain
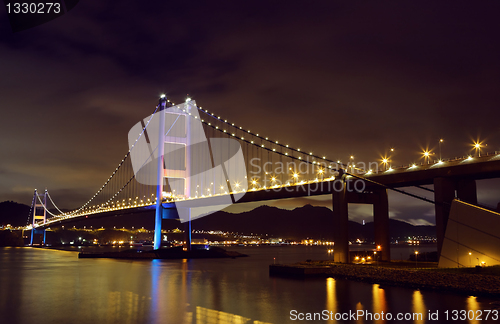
column 13, row 213
column 400, row 229
column 302, row 222
column 17, row 214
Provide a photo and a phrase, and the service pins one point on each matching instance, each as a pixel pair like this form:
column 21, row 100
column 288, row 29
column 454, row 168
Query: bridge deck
column 477, row 168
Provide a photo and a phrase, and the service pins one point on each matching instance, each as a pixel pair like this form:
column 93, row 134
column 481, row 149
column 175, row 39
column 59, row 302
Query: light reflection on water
column 378, row 298
column 48, row 286
column 331, row 298
column 418, row 306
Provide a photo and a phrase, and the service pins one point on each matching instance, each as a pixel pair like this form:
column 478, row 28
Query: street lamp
column 273, row 181
column 385, row 161
column 440, row 141
column 470, row 260
column 390, row 164
column 416, row 257
column 427, row 156
column 477, row 146
column 321, row 172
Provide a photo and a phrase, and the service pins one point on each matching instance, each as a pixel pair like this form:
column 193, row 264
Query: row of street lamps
column 426, row 154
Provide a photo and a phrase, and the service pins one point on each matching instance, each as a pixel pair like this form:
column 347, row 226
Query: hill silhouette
column 13, row 213
column 299, row 223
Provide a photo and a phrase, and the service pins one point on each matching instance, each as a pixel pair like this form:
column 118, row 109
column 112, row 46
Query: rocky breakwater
column 427, row 278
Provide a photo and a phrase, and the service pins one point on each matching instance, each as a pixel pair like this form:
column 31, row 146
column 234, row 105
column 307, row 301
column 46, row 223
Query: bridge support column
column 381, row 224
column 38, row 232
column 445, row 190
column 340, row 225
column 467, row 191
column 187, row 232
column 444, row 193
column 187, row 236
column 158, row 222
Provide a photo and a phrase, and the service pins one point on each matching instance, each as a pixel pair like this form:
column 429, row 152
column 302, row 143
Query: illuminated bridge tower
column 39, row 214
column 176, row 175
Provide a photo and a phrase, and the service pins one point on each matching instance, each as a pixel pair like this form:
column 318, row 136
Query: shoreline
column 168, row 253
column 417, row 278
column 150, row 254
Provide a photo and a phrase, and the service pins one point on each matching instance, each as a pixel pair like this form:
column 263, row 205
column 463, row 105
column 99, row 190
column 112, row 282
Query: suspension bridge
column 186, row 162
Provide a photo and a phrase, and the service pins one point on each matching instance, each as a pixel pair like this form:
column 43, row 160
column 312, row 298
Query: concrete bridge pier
column 445, row 190
column 341, row 199
column 187, row 230
column 340, row 225
column 41, row 234
column 381, row 224
column 187, row 236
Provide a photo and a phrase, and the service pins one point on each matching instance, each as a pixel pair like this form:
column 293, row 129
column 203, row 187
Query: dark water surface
column 49, row 286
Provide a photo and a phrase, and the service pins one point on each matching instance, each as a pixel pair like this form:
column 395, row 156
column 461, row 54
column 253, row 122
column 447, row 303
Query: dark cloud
column 337, row 78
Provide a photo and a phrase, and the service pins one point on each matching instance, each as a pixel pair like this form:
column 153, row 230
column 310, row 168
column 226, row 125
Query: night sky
column 337, row 78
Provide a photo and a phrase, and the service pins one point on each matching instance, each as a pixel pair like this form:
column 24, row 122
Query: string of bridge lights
column 62, row 214
column 53, row 204
column 288, row 147
column 298, row 150
column 262, row 138
column 112, row 175
column 33, row 201
column 45, row 207
column 477, row 145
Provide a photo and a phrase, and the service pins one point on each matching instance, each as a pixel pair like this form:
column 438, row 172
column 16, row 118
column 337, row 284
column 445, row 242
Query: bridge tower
column 164, row 171
column 39, row 213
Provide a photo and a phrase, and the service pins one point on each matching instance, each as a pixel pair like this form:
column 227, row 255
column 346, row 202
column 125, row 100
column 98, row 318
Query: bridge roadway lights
column 445, row 190
column 378, row 198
